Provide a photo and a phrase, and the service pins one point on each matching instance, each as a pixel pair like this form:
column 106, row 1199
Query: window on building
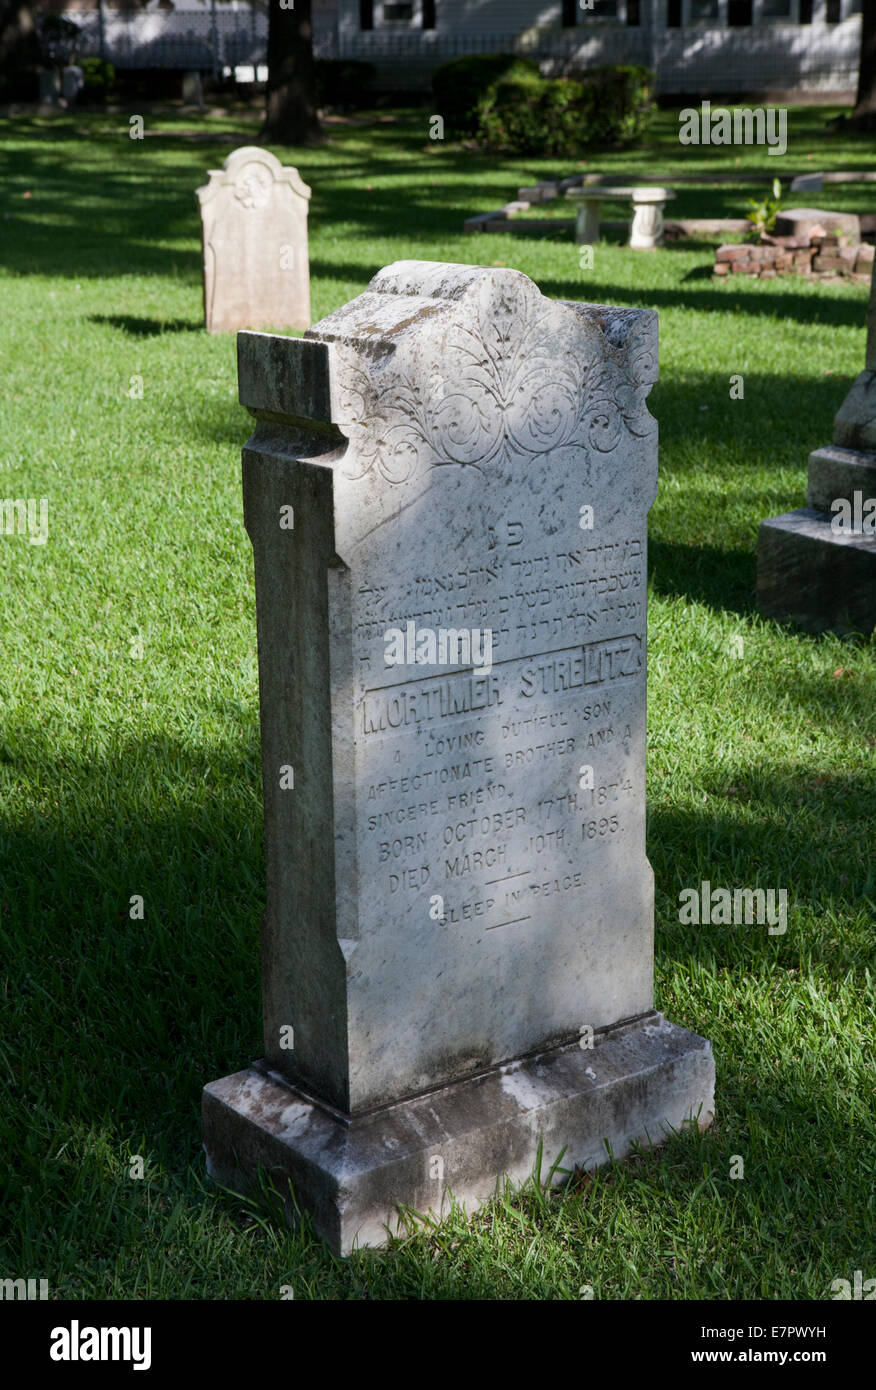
column 634, row 16
column 606, row 9
column 428, row 14
column 398, row 14
column 703, row 11
column 776, row 9
column 366, row 14
column 738, row 13
column 673, row 14
column 832, row 12
column 569, row 16
column 805, row 11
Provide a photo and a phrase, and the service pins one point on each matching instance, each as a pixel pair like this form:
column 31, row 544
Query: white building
column 693, row 46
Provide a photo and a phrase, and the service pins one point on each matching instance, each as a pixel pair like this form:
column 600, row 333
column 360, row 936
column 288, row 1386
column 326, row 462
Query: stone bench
column 646, row 227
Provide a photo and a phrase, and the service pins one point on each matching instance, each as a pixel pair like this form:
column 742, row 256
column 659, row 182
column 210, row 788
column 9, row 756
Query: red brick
column 721, row 268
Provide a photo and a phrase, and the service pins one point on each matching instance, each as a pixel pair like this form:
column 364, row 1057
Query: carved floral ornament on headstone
column 495, row 388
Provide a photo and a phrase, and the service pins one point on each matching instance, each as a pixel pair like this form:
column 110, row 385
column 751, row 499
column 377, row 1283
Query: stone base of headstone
column 811, row 571
column 817, row 578
column 639, row 1083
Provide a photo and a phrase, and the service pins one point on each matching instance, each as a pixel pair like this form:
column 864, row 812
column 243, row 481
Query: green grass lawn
column 129, row 741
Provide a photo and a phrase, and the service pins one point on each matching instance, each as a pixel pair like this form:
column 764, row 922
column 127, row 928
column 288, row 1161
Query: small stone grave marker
column 254, row 225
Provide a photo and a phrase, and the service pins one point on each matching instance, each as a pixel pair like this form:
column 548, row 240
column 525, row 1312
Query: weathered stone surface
column 803, row 221
column 646, row 224
column 809, row 569
column 254, row 228
column 638, row 1084
column 807, row 183
column 855, row 424
column 457, row 875
column 839, row 473
column 478, row 418
column 820, row 579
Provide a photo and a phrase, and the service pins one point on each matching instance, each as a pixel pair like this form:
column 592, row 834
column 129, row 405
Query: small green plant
column 762, row 214
column 98, row 78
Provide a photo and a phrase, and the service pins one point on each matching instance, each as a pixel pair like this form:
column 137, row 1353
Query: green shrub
column 566, row 116
column 98, row 79
column 460, row 85
column 623, row 102
column 342, row 83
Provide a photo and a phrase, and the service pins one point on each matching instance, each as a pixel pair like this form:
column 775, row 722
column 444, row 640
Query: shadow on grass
column 146, row 328
column 120, row 1019
column 845, row 309
column 144, row 1010
column 722, row 579
column 128, row 207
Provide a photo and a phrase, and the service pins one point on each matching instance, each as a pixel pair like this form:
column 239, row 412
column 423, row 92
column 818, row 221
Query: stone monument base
column 807, row 572
column 640, row 1081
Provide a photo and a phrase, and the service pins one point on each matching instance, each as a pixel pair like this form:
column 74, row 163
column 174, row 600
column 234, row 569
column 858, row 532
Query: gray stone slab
column 640, row 1083
column 800, row 221
column 447, row 492
column 851, row 176
column 839, row 473
column 807, row 183
column 465, row 401
column 808, row 569
column 705, row 226
column 820, row 579
column 484, row 221
column 854, row 425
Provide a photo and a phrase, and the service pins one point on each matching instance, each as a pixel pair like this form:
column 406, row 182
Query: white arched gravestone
column 254, row 228
column 447, row 492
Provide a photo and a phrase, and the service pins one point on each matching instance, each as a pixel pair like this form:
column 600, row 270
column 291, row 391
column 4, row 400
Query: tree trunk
column 18, row 40
column 290, row 117
column 864, row 114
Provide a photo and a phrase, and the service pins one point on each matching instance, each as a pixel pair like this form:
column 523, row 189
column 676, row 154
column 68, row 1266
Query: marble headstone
column 254, row 232
column 816, row 566
column 447, row 492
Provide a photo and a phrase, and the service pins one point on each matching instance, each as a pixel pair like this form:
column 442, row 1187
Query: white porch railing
column 809, row 57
